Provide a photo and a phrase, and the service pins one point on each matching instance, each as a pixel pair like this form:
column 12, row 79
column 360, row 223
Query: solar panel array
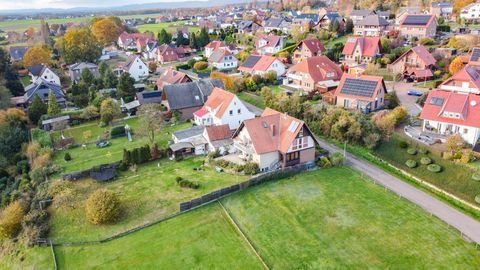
column 475, row 54
column 437, row 101
column 251, row 61
column 472, row 72
column 358, row 87
column 152, row 94
column 417, row 20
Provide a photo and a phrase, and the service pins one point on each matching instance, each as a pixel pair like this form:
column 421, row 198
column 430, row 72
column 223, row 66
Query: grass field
column 170, row 27
column 27, row 258
column 332, row 219
column 251, row 98
column 454, row 178
column 148, row 195
column 86, row 158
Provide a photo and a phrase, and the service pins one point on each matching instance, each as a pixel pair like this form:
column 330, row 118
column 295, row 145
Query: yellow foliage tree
column 228, row 81
column 102, row 207
column 11, row 219
column 106, row 30
column 459, row 4
column 456, row 65
column 36, row 55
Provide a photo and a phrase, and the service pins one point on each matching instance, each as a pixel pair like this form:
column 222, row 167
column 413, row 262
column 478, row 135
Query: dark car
column 103, row 144
column 414, row 93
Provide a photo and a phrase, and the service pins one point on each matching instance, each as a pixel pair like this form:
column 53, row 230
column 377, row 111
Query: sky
column 30, row 4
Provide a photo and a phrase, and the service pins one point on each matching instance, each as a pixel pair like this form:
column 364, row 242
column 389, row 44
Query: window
column 239, row 111
column 293, row 156
column 231, row 112
column 139, row 67
column 465, row 131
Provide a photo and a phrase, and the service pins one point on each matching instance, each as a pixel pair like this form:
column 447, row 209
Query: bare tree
column 151, row 118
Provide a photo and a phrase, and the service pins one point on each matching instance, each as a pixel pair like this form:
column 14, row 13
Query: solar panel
column 417, row 20
column 475, row 54
column 152, row 94
column 251, row 61
column 472, row 72
column 358, row 87
column 436, row 101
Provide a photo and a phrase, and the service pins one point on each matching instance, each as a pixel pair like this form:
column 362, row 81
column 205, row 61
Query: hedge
column 411, row 163
column 412, row 151
column 117, row 131
column 423, row 151
column 426, row 160
column 434, row 168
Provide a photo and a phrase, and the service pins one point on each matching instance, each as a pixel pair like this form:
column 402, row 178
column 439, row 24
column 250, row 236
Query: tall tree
column 5, row 96
column 181, row 40
column 106, row 31
column 37, row 55
column 53, row 107
column 36, row 109
column 109, row 79
column 349, row 26
column 151, row 118
column 109, row 110
column 87, row 77
column 79, row 92
column 125, row 87
column 193, row 41
column 204, row 38
column 102, row 68
column 164, row 37
column 80, row 45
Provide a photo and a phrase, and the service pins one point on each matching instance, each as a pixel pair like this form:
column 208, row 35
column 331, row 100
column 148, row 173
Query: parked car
column 103, row 144
column 414, row 93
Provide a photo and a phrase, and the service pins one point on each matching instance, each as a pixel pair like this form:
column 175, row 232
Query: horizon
column 10, row 5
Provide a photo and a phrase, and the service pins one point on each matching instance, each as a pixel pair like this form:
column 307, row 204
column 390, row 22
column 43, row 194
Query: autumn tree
column 53, row 107
column 11, row 220
column 228, row 81
column 109, row 110
column 151, row 118
column 152, row 66
column 298, row 34
column 459, row 4
column 454, row 143
column 30, row 32
column 103, row 206
column 106, row 31
column 89, row 113
column 36, row 55
column 80, row 45
column 456, row 65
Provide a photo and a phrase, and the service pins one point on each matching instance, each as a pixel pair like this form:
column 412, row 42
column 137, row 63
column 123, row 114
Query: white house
column 223, row 59
column 44, row 72
column 262, row 64
column 222, row 107
column 135, row 67
column 471, row 12
column 269, row 44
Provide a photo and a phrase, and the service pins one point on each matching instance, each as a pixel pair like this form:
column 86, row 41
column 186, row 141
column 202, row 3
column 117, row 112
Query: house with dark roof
column 371, row 26
column 359, row 14
column 17, row 52
column 307, row 48
column 262, row 64
column 44, row 72
column 247, row 27
column 75, row 70
column 361, row 93
column 316, row 73
column 418, row 25
column 269, row 44
column 416, row 63
column 274, row 140
column 223, row 59
column 276, row 24
column 171, row 76
column 187, row 98
column 358, row 50
column 329, row 17
column 42, row 88
column 222, row 108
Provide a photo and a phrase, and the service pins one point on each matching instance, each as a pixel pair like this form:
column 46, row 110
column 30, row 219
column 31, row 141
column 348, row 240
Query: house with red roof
column 447, row 112
column 307, row 48
column 358, row 50
column 316, row 73
column 171, row 76
column 417, row 64
column 169, row 53
column 274, row 140
column 261, row 65
column 361, row 93
column 269, row 44
column 223, row 59
column 216, row 44
column 418, row 25
column 128, row 41
column 467, row 80
column 222, row 108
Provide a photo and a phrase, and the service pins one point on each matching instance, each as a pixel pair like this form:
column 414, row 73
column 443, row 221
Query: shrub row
column 249, row 168
column 186, row 183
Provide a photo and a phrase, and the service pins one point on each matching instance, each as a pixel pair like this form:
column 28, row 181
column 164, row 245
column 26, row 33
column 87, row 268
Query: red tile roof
column 422, row 53
column 216, row 133
column 272, row 41
column 318, row 67
column 467, row 105
column 368, row 46
column 314, row 45
column 171, row 76
column 263, row 63
column 219, row 100
column 468, row 74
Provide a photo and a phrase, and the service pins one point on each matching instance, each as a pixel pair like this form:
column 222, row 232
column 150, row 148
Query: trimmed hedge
column 426, row 160
column 403, row 144
column 411, row 163
column 187, row 183
column 423, row 151
column 412, row 151
column 117, row 131
column 434, row 168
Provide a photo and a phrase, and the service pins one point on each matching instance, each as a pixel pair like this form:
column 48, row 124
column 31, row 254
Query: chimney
column 272, row 128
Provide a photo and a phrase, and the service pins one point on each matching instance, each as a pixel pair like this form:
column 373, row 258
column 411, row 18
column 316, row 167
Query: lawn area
column 86, row 158
column 331, row 219
column 428, row 84
column 202, row 239
column 148, row 195
column 25, row 80
column 27, row 258
column 251, row 98
column 454, row 178
column 329, row 43
column 170, row 27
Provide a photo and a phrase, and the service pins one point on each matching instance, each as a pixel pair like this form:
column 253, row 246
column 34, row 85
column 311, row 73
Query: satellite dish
column 473, row 103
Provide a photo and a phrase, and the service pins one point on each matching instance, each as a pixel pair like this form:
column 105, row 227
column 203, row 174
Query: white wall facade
column 138, row 70
column 469, row 134
column 235, row 114
column 49, row 76
column 228, row 62
column 471, row 13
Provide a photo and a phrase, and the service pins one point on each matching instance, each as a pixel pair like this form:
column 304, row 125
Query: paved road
column 465, row 224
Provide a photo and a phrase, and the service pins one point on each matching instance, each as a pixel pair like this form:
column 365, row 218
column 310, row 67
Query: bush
column 403, row 144
column 187, row 184
column 324, row 162
column 178, row 179
column 425, row 160
column 412, row 151
column 434, row 168
column 476, row 176
column 117, row 131
column 103, row 206
column 423, row 151
column 250, row 168
column 198, row 66
column 337, row 159
column 67, row 157
column 411, row 163
column 11, row 219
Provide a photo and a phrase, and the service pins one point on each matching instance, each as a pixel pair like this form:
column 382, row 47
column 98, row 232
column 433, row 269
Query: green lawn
column 454, row 178
column 203, row 239
column 330, row 43
column 86, row 158
column 428, row 84
column 332, row 219
column 25, row 80
column 251, row 98
column 28, row 258
column 148, row 195
column 168, row 26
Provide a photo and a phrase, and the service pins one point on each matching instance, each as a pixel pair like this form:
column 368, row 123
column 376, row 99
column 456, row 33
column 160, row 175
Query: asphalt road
column 469, row 227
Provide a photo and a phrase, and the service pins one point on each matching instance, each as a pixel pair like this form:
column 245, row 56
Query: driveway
column 408, row 101
column 468, row 226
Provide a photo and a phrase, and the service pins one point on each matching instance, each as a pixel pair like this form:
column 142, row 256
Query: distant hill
column 132, row 7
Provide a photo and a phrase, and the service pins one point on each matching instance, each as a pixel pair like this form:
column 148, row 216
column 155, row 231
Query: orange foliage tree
column 36, row 55
column 106, row 31
column 456, row 65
